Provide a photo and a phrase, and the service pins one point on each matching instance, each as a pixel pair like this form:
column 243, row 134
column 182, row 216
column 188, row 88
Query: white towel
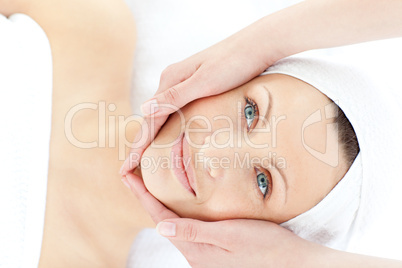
column 331, row 221
column 374, row 112
column 25, row 117
column 150, row 250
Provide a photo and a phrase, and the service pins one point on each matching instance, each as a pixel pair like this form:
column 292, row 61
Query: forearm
column 330, row 258
column 318, row 24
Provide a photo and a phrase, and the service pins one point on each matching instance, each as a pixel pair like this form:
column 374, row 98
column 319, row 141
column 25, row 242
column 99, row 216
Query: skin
column 88, row 209
column 297, row 179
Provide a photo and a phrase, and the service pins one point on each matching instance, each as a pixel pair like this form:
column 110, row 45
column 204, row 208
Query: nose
column 216, row 151
column 211, row 159
column 214, row 169
column 219, row 160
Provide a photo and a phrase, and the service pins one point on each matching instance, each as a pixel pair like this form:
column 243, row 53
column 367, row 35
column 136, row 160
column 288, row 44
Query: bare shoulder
column 92, row 43
column 88, row 26
column 77, row 16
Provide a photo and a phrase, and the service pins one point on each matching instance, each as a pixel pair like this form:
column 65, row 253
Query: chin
column 165, row 187
column 154, row 177
column 159, row 179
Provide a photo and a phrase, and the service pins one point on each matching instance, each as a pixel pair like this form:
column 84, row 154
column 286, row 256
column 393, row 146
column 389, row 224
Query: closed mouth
column 178, row 164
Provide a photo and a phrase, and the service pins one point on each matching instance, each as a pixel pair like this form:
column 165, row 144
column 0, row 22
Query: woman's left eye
column 262, row 182
column 250, row 113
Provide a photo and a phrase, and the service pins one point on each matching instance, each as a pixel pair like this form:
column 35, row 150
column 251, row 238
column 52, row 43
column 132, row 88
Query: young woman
column 90, row 219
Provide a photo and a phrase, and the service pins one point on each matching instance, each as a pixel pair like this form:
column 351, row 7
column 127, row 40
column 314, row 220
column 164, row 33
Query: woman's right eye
column 250, row 113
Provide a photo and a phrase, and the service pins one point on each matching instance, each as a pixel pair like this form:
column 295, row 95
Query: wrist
column 278, row 36
column 320, row 256
column 271, row 44
column 311, row 255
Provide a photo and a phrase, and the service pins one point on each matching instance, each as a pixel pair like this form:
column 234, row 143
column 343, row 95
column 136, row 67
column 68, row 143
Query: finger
column 176, row 97
column 177, row 73
column 150, row 126
column 159, row 213
column 172, row 76
column 189, row 230
column 156, row 209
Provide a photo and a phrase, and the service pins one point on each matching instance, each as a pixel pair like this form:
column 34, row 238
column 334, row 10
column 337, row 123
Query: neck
column 88, row 207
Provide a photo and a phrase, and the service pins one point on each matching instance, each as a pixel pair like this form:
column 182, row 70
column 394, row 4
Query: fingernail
column 124, row 180
column 166, row 228
column 149, row 107
column 131, row 183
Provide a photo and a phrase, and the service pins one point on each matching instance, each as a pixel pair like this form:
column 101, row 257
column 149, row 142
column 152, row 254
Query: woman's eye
column 262, row 182
column 250, row 113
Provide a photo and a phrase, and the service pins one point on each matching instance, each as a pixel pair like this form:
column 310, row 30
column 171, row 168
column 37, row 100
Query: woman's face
column 266, row 150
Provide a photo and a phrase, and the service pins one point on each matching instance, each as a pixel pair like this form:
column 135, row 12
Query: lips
column 178, row 164
column 188, row 162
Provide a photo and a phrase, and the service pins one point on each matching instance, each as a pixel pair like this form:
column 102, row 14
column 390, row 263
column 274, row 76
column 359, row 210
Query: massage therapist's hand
column 239, row 58
column 224, row 66
column 230, row 243
column 244, row 243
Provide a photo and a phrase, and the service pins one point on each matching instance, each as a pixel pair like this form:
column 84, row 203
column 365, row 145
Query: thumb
column 174, row 98
column 189, row 230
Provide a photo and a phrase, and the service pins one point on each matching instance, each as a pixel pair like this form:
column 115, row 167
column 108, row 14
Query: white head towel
column 371, row 186
column 330, row 222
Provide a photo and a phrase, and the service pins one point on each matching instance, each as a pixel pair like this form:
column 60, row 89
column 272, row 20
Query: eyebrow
column 266, row 117
column 268, row 111
column 286, row 183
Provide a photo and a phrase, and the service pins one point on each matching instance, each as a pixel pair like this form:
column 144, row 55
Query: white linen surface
column 25, row 111
column 170, row 31
column 153, row 251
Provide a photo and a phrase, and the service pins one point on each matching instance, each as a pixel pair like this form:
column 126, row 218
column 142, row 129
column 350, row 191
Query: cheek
column 155, row 175
column 161, row 183
column 207, row 107
column 231, row 203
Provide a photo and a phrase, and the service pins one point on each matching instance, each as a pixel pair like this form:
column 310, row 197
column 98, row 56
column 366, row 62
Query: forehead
column 291, row 88
column 301, row 118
